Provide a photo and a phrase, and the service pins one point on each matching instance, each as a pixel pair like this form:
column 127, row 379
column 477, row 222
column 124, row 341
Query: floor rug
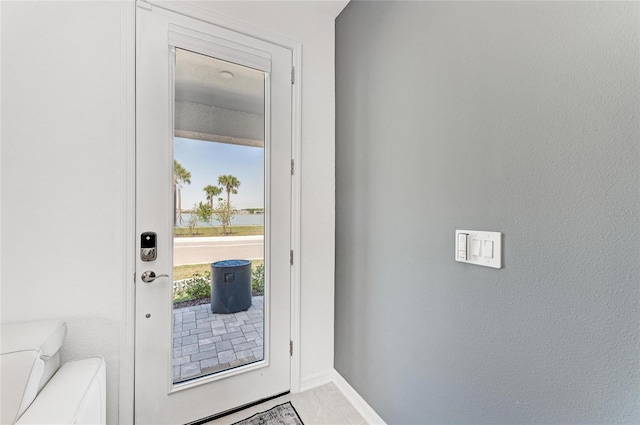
column 283, row 414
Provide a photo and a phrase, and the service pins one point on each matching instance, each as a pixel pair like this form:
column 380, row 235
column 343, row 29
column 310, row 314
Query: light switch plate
column 479, row 253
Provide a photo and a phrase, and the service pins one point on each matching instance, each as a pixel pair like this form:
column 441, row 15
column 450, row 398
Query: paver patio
column 206, row 342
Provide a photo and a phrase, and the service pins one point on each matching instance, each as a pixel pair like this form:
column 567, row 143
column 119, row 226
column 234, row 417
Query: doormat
column 283, row 414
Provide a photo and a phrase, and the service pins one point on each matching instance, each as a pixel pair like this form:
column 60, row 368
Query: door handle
column 149, row 276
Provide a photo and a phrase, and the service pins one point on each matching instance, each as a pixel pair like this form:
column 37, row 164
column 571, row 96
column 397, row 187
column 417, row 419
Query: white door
column 213, row 154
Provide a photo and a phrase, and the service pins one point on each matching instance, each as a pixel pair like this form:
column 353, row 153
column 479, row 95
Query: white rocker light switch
column 484, row 248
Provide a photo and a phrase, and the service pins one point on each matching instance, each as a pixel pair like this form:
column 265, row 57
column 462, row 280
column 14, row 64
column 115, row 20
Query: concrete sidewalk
column 216, row 248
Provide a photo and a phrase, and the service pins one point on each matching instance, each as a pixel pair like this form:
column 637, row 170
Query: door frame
column 128, row 103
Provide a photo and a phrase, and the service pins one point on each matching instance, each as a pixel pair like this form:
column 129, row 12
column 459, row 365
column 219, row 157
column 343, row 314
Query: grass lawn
column 187, row 271
column 185, row 232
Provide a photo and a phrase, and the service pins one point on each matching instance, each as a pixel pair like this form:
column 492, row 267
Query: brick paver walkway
column 205, row 343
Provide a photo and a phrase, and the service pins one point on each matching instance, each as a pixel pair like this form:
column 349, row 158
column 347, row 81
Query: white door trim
column 128, row 37
column 128, row 122
column 206, row 44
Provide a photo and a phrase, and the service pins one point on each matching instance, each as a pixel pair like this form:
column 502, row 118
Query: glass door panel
column 219, row 216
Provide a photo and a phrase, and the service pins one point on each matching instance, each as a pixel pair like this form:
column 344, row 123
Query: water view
column 237, row 220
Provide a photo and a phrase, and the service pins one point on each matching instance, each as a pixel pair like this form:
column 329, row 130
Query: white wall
column 62, row 174
column 63, row 171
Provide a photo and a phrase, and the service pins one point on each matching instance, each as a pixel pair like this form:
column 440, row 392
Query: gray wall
column 515, row 117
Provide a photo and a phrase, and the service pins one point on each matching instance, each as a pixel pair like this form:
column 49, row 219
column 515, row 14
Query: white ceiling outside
column 209, row 81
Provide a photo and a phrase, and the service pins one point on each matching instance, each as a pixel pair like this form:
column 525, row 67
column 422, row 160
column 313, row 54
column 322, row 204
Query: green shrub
column 199, row 286
column 195, row 288
column 257, row 280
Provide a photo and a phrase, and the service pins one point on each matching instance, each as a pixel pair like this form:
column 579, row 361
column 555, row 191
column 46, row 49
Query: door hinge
column 292, row 166
column 291, row 348
column 291, row 257
column 293, row 75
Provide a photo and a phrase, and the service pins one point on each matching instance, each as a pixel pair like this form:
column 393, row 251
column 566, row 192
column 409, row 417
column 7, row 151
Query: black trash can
column 230, row 286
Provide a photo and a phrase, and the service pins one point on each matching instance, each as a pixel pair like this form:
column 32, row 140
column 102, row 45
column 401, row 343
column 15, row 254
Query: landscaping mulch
column 191, row 303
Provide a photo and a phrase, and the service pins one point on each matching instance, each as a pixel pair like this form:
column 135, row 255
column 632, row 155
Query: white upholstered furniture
column 36, row 390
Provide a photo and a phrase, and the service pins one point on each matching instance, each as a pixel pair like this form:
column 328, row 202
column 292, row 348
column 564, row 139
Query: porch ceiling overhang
column 218, row 101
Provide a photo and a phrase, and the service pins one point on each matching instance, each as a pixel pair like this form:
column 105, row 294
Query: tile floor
column 325, row 405
column 205, row 342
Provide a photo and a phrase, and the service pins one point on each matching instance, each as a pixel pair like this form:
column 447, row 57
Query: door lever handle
column 149, row 276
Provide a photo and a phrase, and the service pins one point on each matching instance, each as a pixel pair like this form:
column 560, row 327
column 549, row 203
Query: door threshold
column 234, row 410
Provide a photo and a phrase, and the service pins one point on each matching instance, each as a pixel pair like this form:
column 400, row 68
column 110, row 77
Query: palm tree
column 230, row 184
column 212, row 192
column 180, row 176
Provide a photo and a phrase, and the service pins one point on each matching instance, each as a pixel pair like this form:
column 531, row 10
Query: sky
column 208, row 160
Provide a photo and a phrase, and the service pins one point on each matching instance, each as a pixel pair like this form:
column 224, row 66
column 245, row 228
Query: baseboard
column 367, row 413
column 315, row 380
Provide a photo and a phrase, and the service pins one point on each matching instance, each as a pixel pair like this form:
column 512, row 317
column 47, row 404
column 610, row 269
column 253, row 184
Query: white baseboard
column 315, row 380
column 367, row 413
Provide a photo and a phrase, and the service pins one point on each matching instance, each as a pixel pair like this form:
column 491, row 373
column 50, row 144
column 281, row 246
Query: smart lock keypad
column 148, row 248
